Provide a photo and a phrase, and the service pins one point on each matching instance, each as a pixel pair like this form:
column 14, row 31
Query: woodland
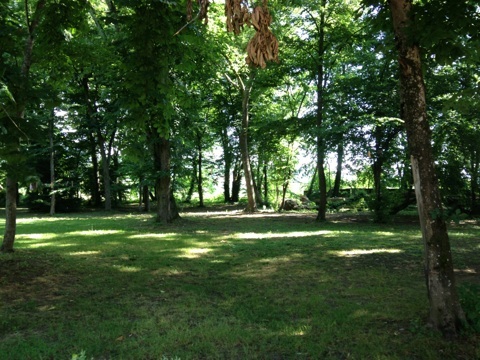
column 155, row 104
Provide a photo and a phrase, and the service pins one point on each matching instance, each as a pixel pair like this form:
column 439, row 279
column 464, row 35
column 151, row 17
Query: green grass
column 223, row 286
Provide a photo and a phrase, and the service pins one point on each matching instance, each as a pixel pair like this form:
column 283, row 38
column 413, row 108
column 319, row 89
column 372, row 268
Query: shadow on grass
column 226, row 287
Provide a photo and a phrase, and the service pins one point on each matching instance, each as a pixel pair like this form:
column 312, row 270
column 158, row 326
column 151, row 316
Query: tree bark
column 338, row 174
column 227, row 156
column 52, row 167
column 146, row 198
column 11, row 215
column 446, row 313
column 265, row 184
column 193, row 180
column 92, row 114
column 236, row 181
column 95, row 196
column 167, row 211
column 322, row 182
column 247, row 170
column 200, row 176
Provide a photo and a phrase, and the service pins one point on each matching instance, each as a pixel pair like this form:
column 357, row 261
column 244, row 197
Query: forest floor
column 222, row 284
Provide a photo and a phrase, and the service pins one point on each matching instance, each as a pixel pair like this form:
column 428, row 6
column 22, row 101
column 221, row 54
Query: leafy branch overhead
column 263, row 46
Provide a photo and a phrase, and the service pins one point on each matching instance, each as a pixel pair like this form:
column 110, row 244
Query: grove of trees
column 108, row 101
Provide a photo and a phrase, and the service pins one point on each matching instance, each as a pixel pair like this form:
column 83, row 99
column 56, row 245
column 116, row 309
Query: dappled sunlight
column 292, row 234
column 193, row 253
column 153, row 236
column 82, row 253
column 32, row 238
column 361, row 313
column 43, row 244
column 358, row 252
column 385, row 233
column 300, row 330
column 467, row 271
column 94, row 232
column 267, row 267
column 280, row 259
column 127, row 269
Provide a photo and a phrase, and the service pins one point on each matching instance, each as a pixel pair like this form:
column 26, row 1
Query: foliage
column 470, row 300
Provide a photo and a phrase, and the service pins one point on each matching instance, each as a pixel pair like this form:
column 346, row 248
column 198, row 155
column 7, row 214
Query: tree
column 19, row 90
column 446, row 313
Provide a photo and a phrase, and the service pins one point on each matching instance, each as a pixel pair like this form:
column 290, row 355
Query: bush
column 38, row 202
column 470, row 300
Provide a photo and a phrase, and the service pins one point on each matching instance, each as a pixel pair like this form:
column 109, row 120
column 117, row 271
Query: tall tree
column 445, row 311
column 19, row 90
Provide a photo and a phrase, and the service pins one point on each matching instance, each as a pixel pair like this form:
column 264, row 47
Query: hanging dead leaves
column 263, row 46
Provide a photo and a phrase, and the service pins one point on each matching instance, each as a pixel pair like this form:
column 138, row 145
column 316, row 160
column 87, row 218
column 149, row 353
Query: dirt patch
column 31, row 279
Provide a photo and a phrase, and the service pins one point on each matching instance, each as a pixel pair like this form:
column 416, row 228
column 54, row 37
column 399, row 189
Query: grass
column 222, row 285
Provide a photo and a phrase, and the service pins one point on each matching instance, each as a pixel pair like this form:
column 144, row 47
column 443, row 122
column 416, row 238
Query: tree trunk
column 117, row 192
column 247, row 170
column 146, row 198
column 379, row 207
column 95, row 196
column 193, row 180
column 21, row 99
column 100, row 141
column 11, row 215
column 322, row 183
column 338, row 174
column 105, row 173
column 166, row 207
column 236, row 181
column 52, row 167
column 475, row 161
column 227, row 156
column 265, row 184
column 200, row 180
column 446, row 313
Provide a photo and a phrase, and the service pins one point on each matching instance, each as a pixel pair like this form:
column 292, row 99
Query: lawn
column 224, row 285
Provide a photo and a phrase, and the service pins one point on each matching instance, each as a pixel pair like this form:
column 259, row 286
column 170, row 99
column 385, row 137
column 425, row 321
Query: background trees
column 126, row 97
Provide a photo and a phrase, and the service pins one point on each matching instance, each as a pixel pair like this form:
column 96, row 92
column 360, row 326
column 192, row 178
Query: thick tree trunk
column 247, row 170
column 379, row 203
column 446, row 313
column 166, row 207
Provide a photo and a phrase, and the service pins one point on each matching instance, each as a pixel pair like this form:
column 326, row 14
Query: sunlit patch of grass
column 192, row 253
column 40, row 236
column 163, row 236
column 93, row 232
column 82, row 253
column 358, row 252
column 128, row 269
column 270, row 235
